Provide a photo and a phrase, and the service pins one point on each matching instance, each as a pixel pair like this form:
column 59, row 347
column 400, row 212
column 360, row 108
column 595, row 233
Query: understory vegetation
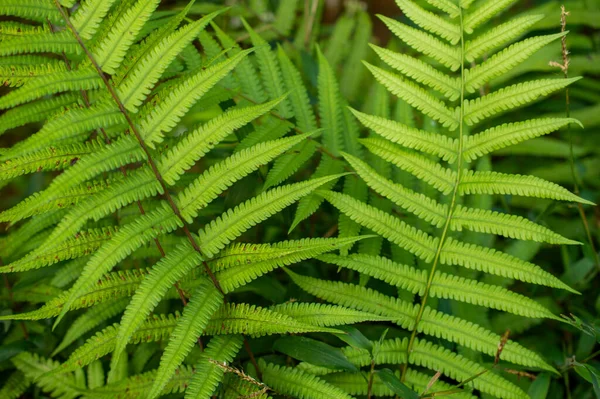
column 299, row 199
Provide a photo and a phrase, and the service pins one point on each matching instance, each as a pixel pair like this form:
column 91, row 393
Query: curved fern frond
column 240, row 264
column 37, row 10
column 208, row 375
column 415, row 96
column 431, row 22
column 88, row 17
column 205, row 301
column 508, row 134
column 291, row 381
column 233, row 222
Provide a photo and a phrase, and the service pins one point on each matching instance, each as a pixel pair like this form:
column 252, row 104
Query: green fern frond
column 256, row 322
column 204, row 303
column 152, row 289
column 165, row 115
column 36, row 10
column 447, row 6
column 305, row 117
column 431, row 22
column 423, row 168
column 109, row 52
column 324, row 315
column 502, row 136
column 294, row 382
column 483, row 12
column 242, row 263
column 197, row 143
column 15, row 385
column 432, row 323
column 89, row 16
column 269, row 69
column 208, row 374
column 17, row 75
column 89, row 320
column 233, row 222
column 84, row 243
column 425, row 43
column 443, row 285
column 288, row 164
column 44, row 42
column 420, row 71
column 509, row 184
column 126, row 240
column 416, row 96
column 502, row 62
column 511, row 97
column 82, row 79
column 498, row 36
column 137, row 84
column 35, row 111
column 35, row 368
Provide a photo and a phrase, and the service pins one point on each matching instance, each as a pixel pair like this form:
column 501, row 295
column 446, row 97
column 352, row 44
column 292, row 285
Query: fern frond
column 502, row 62
column 88, row 17
column 431, row 22
column 162, row 276
column 395, row 230
column 509, row 184
column 294, row 382
column 483, row 12
column 420, row 71
column 35, row 111
column 45, row 42
column 241, row 263
column 81, row 79
column 17, row 75
column 491, row 261
column 356, row 384
column 204, row 303
column 498, row 36
column 84, row 243
column 329, row 107
column 305, row 117
column 127, row 239
column 15, row 385
column 208, row 375
column 35, row 368
column 418, row 204
column 423, row 168
column 447, row 6
column 443, row 285
column 287, row 164
column 137, row 84
column 256, row 322
column 36, row 10
column 89, row 320
column 197, row 143
column 415, row 96
column 430, row 143
column 270, row 129
column 508, row 134
column 46, row 159
column 165, row 115
column 136, row 386
column 425, row 43
column 269, row 69
column 512, row 226
column 324, row 315
column 73, row 126
column 235, row 221
column 432, row 323
column 511, row 97
column 109, row 52
column 434, row 357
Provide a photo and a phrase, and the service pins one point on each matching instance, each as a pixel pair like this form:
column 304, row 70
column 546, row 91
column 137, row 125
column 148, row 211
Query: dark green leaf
column 314, row 352
column 393, row 383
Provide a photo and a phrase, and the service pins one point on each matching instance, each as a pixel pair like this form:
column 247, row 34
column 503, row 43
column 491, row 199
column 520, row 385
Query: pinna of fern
column 110, row 115
column 464, row 58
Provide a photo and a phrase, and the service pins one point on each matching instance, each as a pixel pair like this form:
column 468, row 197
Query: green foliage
column 152, row 154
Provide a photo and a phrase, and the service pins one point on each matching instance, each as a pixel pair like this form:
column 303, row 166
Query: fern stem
column 139, row 138
column 451, row 208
